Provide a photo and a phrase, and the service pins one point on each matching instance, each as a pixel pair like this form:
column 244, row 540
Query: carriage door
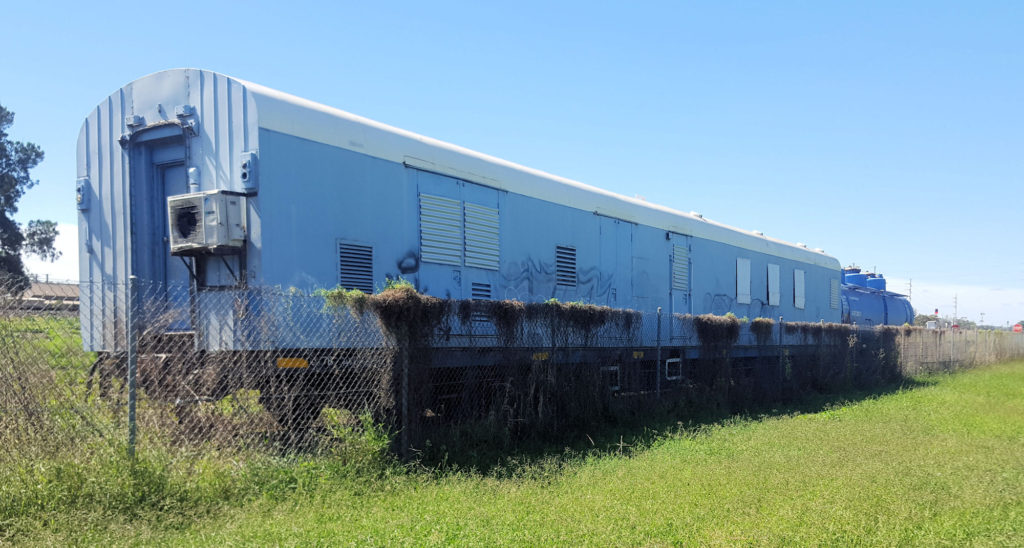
column 176, row 274
column 158, row 171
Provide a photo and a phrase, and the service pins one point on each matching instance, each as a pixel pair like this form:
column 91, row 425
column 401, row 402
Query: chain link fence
column 276, row 371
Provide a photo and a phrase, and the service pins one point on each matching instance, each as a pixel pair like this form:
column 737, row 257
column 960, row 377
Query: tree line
column 37, row 237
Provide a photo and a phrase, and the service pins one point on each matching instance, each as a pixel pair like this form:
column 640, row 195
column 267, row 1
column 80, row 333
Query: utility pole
column 910, row 290
column 954, row 308
column 982, row 319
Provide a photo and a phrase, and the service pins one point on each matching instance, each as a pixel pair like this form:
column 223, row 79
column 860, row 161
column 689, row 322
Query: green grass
column 942, row 463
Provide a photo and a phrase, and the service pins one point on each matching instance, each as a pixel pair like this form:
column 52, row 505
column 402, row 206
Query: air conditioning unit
column 206, row 223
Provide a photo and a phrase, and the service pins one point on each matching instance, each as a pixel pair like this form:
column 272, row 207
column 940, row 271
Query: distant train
column 202, row 183
column 867, row 302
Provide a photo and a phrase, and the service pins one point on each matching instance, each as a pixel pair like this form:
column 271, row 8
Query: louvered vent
column 355, row 266
column 440, row 230
column 481, row 236
column 680, row 268
column 833, row 297
column 480, row 291
column 565, row 266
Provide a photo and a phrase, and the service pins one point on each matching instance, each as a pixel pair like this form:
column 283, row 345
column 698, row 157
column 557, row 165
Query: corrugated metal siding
column 833, row 294
column 226, row 125
column 441, row 233
column 104, row 248
column 482, row 226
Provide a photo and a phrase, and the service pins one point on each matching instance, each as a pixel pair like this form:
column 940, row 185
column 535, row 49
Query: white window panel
column 743, row 281
column 773, row 285
column 799, row 296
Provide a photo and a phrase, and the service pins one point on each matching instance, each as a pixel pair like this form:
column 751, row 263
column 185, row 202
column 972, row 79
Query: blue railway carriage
column 200, row 184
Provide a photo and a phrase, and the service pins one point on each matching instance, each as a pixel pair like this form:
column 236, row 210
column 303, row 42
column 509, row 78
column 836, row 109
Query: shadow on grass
column 491, row 449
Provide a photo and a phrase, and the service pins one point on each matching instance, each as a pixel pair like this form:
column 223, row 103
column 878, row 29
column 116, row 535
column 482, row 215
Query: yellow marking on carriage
column 292, row 363
column 637, row 354
column 540, row 356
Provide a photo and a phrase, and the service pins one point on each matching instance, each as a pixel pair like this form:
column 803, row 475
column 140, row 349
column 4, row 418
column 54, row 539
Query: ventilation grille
column 480, row 291
column 833, row 297
column 565, row 266
column 355, row 267
column 680, row 268
column 440, row 230
column 481, row 236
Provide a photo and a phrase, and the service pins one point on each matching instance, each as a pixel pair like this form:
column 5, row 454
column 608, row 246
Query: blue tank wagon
column 867, row 302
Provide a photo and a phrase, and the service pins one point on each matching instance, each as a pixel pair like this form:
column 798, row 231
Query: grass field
column 942, row 463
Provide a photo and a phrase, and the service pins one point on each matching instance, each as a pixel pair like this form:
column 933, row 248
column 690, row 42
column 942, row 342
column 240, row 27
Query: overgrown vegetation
column 63, row 445
column 63, row 452
column 938, row 464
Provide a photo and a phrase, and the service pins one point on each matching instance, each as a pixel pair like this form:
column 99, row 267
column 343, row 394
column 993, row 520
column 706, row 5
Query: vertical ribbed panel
column 799, row 294
column 833, row 294
column 774, row 297
column 565, row 266
column 441, row 233
column 355, row 266
column 224, row 126
column 482, row 227
column 680, row 268
column 743, row 281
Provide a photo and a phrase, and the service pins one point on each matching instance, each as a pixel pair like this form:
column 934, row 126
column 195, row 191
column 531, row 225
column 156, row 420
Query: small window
column 611, row 378
column 799, row 297
column 673, row 369
column 743, row 281
column 355, row 266
column 833, row 296
column 565, row 266
column 773, row 285
column 680, row 268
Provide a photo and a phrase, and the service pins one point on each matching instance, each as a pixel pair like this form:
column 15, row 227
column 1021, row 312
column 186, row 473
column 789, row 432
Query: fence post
column 130, row 320
column 657, row 368
column 952, row 348
column 778, row 347
column 404, row 356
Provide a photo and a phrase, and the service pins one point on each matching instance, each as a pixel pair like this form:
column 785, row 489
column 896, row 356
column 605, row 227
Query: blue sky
column 891, row 134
